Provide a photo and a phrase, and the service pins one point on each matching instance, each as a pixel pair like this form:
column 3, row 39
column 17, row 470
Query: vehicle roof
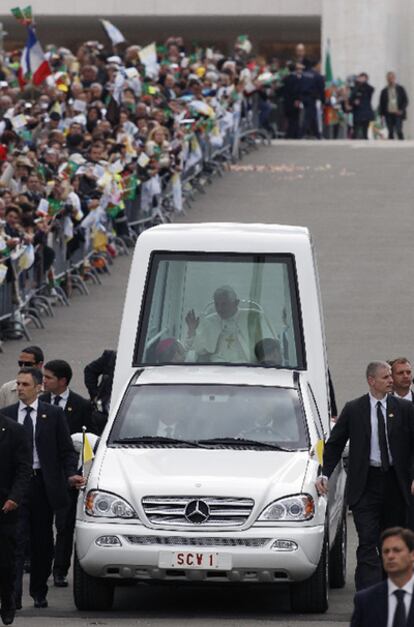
column 241, row 227
column 226, row 237
column 211, row 374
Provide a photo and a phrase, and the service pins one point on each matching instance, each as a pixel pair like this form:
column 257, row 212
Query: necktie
column 28, row 425
column 382, row 439
column 400, row 619
column 57, row 400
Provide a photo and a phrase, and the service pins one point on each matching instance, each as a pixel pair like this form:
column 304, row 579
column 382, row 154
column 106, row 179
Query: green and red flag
column 328, row 64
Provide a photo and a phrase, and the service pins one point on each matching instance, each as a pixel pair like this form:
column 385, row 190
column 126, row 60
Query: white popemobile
column 206, row 469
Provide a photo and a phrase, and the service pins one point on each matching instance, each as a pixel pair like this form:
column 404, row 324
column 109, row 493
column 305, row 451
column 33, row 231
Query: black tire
column 311, row 596
column 91, row 593
column 337, row 556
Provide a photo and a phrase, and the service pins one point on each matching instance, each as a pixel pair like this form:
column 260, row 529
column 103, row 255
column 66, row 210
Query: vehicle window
column 200, row 412
column 208, row 308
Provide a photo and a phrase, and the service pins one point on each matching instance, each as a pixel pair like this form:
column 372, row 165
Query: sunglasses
column 27, row 364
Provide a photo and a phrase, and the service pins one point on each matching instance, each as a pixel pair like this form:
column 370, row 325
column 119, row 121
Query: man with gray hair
column 229, row 334
column 380, row 430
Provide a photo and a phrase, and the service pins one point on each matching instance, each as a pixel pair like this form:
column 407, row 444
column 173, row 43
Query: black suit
column 363, row 114
column 410, row 523
column 99, row 376
column 47, row 492
column 378, row 499
column 292, row 94
column 78, row 412
column 371, row 607
column 15, row 473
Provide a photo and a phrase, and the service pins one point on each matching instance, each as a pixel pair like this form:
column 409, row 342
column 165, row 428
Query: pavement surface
column 357, row 200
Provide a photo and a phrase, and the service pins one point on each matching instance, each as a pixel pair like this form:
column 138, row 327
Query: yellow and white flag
column 319, row 447
column 87, row 454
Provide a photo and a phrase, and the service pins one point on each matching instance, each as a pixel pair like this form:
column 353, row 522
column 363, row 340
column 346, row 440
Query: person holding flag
column 34, row 67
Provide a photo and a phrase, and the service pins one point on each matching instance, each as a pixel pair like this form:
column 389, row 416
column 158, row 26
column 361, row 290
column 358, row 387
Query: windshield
column 221, row 308
column 199, row 413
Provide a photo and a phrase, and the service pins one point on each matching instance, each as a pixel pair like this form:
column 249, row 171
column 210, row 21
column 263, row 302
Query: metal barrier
column 27, row 294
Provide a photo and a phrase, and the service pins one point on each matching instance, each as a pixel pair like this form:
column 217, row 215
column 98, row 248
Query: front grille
column 179, row 511
column 251, row 543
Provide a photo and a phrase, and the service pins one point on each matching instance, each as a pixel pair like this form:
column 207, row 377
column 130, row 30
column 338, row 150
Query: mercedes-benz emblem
column 197, row 512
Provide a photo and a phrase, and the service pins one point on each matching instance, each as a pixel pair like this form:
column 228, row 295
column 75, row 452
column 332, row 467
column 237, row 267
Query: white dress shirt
column 407, row 397
column 392, row 599
column 167, row 430
column 63, row 398
column 21, row 415
column 375, row 453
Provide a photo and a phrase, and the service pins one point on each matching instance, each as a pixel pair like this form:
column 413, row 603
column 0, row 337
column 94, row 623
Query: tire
column 91, row 593
column 311, row 596
column 337, row 556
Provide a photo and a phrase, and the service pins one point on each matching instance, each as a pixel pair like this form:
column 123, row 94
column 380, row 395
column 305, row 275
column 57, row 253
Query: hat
column 77, row 158
column 114, row 60
column 54, row 115
column 165, row 349
column 24, row 161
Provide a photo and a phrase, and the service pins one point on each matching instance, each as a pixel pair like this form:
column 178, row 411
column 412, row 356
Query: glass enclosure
column 204, row 412
column 221, row 308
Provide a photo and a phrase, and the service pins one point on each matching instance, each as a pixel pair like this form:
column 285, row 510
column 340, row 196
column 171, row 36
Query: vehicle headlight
column 292, row 508
column 107, row 505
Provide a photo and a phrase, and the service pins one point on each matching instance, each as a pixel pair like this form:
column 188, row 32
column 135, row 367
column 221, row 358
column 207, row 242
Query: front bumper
column 248, row 554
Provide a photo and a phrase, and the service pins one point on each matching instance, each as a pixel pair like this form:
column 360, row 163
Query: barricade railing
column 31, row 286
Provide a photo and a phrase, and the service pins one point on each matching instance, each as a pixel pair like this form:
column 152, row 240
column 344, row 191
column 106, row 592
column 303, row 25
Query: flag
column 17, row 12
column 28, row 15
column 328, row 64
column 113, row 32
column 319, row 448
column 148, row 58
column 87, row 450
column 33, row 65
column 24, row 16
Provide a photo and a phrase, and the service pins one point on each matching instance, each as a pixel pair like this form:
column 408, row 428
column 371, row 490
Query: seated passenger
column 167, row 426
column 169, row 351
column 227, row 335
column 272, row 426
column 268, row 352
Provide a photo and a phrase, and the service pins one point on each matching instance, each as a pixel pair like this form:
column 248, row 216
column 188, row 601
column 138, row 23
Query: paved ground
column 357, row 200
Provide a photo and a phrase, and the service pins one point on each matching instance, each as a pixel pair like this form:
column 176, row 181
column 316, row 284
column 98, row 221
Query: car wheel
column 91, row 593
column 337, row 556
column 311, row 596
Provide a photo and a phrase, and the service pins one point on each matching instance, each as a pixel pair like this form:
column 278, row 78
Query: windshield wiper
column 244, row 442
column 157, row 439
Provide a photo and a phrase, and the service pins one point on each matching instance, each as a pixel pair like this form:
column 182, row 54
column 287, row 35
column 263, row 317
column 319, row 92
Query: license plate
column 190, row 560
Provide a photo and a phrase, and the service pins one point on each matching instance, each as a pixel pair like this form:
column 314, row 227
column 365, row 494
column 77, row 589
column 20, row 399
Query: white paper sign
column 143, row 160
column 79, row 105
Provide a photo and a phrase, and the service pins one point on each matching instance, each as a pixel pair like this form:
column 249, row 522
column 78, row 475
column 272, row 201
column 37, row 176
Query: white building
column 366, row 35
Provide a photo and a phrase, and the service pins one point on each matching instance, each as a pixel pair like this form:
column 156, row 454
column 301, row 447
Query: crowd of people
column 299, row 101
column 104, row 129
column 119, row 125
column 40, row 470
column 111, row 124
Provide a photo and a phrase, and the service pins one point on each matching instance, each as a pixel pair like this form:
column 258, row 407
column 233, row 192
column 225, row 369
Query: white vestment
column 229, row 340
